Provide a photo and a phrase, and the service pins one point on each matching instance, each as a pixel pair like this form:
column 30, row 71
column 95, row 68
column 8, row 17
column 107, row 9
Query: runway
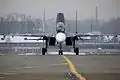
column 54, row 67
column 97, row 67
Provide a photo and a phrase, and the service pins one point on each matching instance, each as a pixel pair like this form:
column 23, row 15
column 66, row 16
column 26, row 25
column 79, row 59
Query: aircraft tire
column 60, row 52
column 44, row 50
column 77, row 51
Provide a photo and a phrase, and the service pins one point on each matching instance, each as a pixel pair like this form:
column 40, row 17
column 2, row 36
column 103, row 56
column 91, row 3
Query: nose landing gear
column 60, row 52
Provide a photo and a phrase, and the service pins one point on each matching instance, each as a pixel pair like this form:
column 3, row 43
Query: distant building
column 18, row 23
column 19, row 45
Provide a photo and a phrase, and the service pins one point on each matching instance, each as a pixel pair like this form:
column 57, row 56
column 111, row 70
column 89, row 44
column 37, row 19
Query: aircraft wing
column 89, row 35
column 34, row 36
column 85, row 36
column 31, row 35
column 41, row 36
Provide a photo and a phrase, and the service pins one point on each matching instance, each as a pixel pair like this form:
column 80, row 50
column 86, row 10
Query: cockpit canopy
column 60, row 27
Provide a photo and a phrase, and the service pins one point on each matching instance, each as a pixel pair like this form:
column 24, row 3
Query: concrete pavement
column 53, row 67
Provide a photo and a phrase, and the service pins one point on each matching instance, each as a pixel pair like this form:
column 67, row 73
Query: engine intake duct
column 52, row 41
column 68, row 41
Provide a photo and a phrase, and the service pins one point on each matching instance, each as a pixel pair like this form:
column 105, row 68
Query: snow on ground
column 19, row 39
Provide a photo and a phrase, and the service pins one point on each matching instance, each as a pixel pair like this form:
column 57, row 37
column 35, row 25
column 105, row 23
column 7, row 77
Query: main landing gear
column 44, row 50
column 76, row 50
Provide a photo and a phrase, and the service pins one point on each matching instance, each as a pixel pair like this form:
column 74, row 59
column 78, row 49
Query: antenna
column 44, row 25
column 76, row 22
column 96, row 14
column 91, row 28
column 44, row 22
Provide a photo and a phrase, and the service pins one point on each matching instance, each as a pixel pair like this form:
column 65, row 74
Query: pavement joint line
column 72, row 68
column 29, row 67
column 1, row 77
column 17, row 68
column 9, row 73
column 50, row 65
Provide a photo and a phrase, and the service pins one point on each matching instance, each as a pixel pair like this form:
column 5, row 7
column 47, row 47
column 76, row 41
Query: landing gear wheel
column 76, row 50
column 60, row 52
column 44, row 50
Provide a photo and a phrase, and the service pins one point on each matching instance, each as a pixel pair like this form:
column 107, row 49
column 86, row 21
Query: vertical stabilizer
column 60, row 18
column 76, row 22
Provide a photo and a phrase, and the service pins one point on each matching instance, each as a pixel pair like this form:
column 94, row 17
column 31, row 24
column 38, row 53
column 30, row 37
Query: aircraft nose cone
column 60, row 37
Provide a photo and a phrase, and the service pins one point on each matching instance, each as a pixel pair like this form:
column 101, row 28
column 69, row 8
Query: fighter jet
column 60, row 36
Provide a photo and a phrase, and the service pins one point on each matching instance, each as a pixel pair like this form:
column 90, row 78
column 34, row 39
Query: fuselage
column 60, row 28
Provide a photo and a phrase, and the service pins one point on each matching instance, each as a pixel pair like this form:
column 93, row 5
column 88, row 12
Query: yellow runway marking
column 72, row 68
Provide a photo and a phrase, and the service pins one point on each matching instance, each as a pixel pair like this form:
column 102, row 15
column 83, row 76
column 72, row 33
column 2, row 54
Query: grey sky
column 86, row 8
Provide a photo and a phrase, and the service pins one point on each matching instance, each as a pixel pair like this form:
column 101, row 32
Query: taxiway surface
column 53, row 67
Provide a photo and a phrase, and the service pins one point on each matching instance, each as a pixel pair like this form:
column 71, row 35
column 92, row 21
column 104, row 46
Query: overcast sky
column 86, row 8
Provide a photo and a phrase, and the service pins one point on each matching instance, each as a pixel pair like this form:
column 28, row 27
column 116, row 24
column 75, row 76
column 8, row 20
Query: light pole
column 76, row 22
column 96, row 14
column 96, row 20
